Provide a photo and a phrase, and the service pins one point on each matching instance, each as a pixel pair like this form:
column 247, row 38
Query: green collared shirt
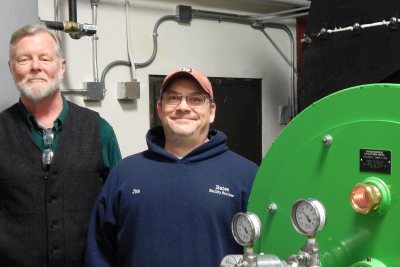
column 111, row 153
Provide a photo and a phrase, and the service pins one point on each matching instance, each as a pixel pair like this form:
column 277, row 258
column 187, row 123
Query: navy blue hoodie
column 158, row 210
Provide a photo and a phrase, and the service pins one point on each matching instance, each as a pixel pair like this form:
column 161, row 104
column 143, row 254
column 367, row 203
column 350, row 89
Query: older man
column 172, row 205
column 54, row 158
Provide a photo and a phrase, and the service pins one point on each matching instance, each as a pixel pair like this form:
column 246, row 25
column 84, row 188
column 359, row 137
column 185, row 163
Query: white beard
column 37, row 91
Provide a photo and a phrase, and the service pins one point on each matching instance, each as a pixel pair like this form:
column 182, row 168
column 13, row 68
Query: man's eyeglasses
column 47, row 156
column 191, row 100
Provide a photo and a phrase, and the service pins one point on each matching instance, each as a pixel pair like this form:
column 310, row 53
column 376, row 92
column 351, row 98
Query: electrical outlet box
column 128, row 90
column 93, row 91
column 184, row 13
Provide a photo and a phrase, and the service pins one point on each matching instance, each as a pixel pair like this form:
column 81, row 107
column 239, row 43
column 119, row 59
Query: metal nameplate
column 375, row 161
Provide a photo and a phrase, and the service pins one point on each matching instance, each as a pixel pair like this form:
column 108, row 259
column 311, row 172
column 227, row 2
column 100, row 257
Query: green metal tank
column 344, row 151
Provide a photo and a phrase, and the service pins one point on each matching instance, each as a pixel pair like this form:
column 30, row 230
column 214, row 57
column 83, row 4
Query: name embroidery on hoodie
column 135, row 191
column 221, row 190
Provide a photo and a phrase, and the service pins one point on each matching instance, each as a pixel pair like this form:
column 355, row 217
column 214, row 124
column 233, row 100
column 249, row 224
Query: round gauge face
column 246, row 228
column 308, row 216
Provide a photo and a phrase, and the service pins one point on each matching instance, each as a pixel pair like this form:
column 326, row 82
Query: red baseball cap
column 200, row 77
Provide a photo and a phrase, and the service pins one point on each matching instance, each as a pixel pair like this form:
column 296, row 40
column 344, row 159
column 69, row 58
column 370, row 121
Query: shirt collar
column 31, row 122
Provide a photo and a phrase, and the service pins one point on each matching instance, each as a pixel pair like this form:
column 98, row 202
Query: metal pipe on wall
column 94, row 4
column 55, row 10
column 259, row 24
column 72, row 10
column 292, row 70
column 292, row 2
column 76, row 30
column 155, row 34
column 295, row 12
column 254, row 21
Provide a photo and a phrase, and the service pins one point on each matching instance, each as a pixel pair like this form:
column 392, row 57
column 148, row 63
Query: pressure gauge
column 246, row 228
column 308, row 216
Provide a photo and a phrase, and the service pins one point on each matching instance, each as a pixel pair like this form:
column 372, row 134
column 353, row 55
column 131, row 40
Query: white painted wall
column 12, row 15
column 219, row 49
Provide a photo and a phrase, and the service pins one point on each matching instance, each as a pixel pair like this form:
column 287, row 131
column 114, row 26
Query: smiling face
column 35, row 66
column 182, row 121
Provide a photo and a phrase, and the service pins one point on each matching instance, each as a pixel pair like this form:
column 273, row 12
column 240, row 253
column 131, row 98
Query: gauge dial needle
column 308, row 218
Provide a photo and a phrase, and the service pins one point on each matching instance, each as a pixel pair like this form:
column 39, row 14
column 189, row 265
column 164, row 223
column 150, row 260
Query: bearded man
column 54, row 158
